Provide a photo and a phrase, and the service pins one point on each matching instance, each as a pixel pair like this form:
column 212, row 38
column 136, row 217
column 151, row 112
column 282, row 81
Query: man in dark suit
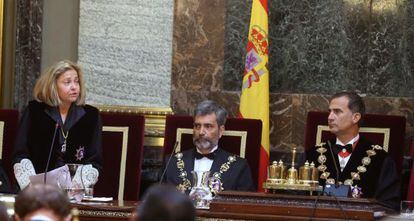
column 351, row 159
column 230, row 172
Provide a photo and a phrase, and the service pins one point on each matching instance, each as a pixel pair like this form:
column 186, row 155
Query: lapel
column 331, row 163
column 74, row 115
column 219, row 159
column 189, row 164
column 189, row 161
column 53, row 113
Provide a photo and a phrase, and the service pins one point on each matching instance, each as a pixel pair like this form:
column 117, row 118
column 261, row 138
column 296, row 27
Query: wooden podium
column 232, row 205
column 266, row 206
column 108, row 211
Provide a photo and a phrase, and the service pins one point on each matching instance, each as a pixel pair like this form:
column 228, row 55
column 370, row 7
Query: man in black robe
column 352, row 160
column 231, row 171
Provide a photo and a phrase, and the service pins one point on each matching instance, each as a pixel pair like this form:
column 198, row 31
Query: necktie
column 344, row 151
column 209, row 156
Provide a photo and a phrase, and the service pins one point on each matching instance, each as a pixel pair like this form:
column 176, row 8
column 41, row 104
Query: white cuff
column 22, row 172
column 89, row 176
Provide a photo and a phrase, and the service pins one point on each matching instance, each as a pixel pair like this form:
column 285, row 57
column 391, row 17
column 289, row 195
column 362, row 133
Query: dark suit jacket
column 38, row 126
column 238, row 177
column 381, row 180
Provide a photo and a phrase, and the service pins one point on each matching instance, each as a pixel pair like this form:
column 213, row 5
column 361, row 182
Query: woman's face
column 68, row 87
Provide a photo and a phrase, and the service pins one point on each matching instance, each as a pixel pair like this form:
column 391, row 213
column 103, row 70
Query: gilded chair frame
column 385, row 131
column 1, row 138
column 236, row 133
column 154, row 121
column 124, row 147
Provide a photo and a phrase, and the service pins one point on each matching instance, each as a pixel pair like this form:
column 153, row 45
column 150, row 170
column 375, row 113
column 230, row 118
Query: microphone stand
column 337, row 180
column 315, row 204
column 50, row 152
column 334, row 161
column 168, row 161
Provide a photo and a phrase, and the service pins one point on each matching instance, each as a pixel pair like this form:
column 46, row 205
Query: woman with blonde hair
column 57, row 127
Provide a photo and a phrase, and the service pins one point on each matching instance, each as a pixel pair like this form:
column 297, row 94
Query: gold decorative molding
column 1, row 42
column 155, row 111
column 104, row 214
column 154, row 120
column 1, row 138
column 236, row 133
column 384, row 131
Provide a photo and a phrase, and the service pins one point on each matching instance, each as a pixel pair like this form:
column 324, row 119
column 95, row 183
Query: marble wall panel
column 198, row 45
column 316, row 48
column 186, row 101
column 329, row 45
column 202, row 35
column 28, row 49
column 125, row 47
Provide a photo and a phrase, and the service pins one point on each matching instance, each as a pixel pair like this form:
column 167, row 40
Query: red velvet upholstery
column 410, row 195
column 10, row 117
column 229, row 143
column 112, row 143
column 396, row 124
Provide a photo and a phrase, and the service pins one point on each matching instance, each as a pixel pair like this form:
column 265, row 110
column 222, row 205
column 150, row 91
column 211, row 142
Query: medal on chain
column 65, row 137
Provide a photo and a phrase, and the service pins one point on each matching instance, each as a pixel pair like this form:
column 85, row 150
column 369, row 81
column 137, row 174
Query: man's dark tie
column 209, row 156
column 347, row 147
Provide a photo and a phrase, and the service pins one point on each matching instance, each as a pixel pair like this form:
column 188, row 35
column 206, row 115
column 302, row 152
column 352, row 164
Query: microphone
column 50, row 152
column 168, row 162
column 337, row 190
column 334, row 161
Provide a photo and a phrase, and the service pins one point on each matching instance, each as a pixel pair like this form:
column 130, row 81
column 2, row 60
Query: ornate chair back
column 241, row 137
column 122, row 145
column 385, row 130
column 8, row 128
column 410, row 193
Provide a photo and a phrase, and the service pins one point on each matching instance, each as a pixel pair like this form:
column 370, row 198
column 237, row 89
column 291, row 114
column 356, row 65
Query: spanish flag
column 254, row 101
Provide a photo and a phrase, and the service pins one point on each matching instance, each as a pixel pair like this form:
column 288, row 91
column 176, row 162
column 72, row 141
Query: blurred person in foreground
column 3, row 212
column 165, row 203
column 42, row 202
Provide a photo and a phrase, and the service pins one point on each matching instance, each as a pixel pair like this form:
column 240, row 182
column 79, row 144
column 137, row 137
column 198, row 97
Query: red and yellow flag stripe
column 254, row 101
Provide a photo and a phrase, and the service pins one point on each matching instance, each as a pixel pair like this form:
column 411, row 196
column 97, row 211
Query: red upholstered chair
column 385, row 130
column 241, row 137
column 410, row 194
column 122, row 144
column 9, row 120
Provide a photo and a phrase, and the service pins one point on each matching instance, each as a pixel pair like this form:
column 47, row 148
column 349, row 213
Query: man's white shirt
column 203, row 164
column 344, row 161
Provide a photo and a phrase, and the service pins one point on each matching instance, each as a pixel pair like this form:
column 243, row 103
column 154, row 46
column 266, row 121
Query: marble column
column 28, row 49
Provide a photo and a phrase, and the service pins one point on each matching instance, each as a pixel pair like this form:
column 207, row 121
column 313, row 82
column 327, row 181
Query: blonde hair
column 45, row 89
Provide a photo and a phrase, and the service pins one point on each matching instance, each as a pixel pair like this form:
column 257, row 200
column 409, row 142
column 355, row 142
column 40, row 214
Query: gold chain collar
column 65, row 137
column 354, row 175
column 186, row 184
